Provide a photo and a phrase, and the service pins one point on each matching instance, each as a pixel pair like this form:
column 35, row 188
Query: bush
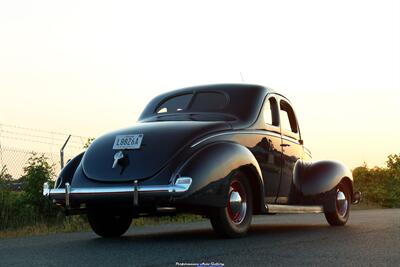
column 36, row 173
column 380, row 185
column 29, row 207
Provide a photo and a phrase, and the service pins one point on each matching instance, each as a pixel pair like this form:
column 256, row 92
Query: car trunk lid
column 161, row 142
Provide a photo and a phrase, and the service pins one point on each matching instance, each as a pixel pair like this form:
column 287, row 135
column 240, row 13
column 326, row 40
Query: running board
column 272, row 208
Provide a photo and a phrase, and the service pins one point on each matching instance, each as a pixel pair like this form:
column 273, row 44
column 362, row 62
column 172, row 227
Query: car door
column 269, row 151
column 292, row 149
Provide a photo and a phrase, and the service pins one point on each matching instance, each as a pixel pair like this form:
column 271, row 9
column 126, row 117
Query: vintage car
column 224, row 151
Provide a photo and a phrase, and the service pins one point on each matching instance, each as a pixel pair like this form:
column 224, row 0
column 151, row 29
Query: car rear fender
column 211, row 168
column 67, row 173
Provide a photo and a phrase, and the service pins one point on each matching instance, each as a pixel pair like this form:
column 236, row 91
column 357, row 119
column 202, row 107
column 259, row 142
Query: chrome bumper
column 180, row 186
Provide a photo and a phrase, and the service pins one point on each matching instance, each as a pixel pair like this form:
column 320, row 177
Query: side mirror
column 301, row 141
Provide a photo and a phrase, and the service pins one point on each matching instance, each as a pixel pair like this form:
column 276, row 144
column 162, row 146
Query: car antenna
column 241, row 77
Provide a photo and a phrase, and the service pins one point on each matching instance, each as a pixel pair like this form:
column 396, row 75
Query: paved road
column 370, row 238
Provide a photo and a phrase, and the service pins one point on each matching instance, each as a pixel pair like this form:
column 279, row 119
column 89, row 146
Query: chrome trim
column 117, row 157
column 268, row 133
column 290, row 139
column 181, row 185
column 236, row 132
column 67, row 194
column 135, row 193
column 272, row 208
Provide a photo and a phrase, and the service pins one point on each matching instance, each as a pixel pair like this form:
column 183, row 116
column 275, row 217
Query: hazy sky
column 88, row 67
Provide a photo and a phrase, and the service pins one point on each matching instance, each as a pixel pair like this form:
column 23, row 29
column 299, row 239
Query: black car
column 225, row 151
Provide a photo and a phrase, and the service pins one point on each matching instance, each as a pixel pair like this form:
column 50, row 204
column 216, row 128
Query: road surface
column 372, row 237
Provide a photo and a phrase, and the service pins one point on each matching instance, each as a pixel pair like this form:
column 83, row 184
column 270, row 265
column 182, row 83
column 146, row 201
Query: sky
column 89, row 67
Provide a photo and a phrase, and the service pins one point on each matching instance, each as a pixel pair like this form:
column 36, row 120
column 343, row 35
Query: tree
column 393, row 162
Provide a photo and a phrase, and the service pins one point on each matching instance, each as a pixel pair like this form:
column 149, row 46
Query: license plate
column 132, row 141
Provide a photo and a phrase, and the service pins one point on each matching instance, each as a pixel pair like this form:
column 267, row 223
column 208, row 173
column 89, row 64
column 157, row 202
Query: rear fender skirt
column 211, row 168
column 319, row 177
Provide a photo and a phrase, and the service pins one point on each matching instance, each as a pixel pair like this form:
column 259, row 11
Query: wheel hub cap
column 235, row 202
column 342, row 203
column 237, row 205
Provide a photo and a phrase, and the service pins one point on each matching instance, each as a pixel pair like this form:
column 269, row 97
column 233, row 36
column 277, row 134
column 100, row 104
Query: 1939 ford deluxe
column 225, row 151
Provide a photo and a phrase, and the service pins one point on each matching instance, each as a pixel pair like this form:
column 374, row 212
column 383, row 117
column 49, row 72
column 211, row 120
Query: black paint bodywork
column 209, row 146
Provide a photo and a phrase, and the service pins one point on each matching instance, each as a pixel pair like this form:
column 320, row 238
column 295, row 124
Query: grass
column 79, row 224
column 70, row 224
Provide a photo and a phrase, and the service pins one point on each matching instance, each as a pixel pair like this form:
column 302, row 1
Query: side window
column 271, row 116
column 288, row 119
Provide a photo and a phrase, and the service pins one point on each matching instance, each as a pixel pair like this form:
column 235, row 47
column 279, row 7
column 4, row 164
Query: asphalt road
column 372, row 237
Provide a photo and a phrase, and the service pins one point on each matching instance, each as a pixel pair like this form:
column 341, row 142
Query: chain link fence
column 18, row 143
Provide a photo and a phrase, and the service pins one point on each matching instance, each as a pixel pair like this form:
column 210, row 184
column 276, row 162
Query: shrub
column 29, row 207
column 380, row 185
column 36, row 172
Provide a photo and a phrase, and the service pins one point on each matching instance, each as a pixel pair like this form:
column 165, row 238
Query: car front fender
column 319, row 177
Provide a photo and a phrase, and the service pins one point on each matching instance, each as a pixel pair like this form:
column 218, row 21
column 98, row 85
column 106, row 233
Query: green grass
column 68, row 225
column 79, row 224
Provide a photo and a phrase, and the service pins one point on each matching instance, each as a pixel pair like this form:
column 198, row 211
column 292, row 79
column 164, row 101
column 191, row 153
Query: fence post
column 62, row 152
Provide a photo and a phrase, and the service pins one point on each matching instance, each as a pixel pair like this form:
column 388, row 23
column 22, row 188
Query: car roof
column 246, row 99
column 227, row 87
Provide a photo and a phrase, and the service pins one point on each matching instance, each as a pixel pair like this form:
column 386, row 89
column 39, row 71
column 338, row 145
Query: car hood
column 161, row 142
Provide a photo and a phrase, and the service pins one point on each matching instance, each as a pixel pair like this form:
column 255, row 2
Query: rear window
column 209, row 101
column 174, row 104
column 203, row 101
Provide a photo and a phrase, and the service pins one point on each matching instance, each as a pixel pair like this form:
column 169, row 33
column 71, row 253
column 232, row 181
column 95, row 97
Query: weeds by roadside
column 79, row 224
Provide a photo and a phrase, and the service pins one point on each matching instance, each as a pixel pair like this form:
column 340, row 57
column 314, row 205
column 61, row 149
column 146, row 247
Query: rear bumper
column 68, row 194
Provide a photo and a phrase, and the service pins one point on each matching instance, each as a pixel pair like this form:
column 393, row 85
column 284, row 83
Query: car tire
column 234, row 220
column 108, row 225
column 337, row 205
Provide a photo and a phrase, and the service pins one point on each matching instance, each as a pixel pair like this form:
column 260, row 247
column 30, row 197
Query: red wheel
column 237, row 203
column 234, row 220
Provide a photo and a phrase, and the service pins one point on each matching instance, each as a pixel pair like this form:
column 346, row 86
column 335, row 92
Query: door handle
column 284, row 145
